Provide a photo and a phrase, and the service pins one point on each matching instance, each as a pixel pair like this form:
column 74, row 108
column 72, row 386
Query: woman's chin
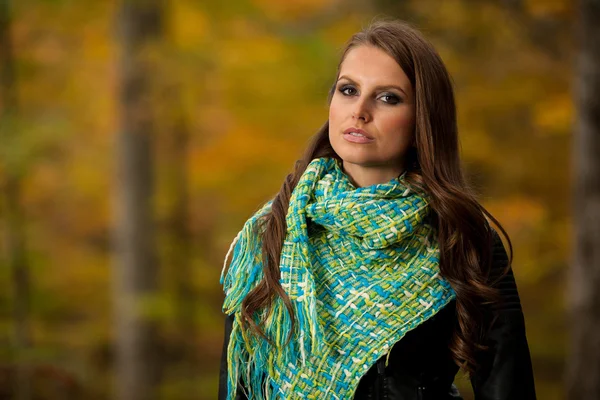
column 356, row 154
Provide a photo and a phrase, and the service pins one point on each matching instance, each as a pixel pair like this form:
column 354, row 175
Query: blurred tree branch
column 544, row 31
column 15, row 224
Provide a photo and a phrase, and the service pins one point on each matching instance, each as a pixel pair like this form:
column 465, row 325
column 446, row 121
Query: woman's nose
column 361, row 111
column 359, row 116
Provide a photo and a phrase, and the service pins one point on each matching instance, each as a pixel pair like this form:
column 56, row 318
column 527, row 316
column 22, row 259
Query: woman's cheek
column 333, row 117
column 402, row 123
column 399, row 121
column 335, row 127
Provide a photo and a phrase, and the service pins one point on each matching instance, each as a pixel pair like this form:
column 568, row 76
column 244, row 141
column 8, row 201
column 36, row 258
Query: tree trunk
column 584, row 356
column 11, row 191
column 179, row 226
column 183, row 356
column 135, row 268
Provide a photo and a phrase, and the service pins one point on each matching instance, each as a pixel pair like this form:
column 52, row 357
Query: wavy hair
column 463, row 231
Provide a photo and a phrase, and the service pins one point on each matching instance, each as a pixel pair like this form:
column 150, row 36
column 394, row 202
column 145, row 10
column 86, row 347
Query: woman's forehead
column 371, row 66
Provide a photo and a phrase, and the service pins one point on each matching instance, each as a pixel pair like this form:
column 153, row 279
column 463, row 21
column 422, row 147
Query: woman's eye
column 343, row 90
column 393, row 99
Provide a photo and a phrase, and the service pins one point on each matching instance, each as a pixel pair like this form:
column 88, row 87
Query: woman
column 388, row 277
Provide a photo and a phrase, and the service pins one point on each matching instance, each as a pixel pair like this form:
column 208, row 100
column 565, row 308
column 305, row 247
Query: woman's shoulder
column 500, row 258
column 501, row 274
column 498, row 250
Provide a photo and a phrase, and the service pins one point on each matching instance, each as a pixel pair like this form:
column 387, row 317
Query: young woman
column 374, row 273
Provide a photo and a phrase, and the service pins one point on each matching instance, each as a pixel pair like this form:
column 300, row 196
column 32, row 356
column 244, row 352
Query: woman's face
column 372, row 94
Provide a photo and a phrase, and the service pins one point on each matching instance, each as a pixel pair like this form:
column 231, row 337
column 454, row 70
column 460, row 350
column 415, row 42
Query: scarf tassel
column 248, row 354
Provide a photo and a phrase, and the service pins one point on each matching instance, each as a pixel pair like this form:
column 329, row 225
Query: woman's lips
column 357, row 139
column 362, row 137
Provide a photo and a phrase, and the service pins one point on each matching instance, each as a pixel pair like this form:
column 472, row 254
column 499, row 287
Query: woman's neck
column 362, row 176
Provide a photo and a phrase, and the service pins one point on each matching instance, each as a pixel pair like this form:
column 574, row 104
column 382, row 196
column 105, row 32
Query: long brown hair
column 465, row 237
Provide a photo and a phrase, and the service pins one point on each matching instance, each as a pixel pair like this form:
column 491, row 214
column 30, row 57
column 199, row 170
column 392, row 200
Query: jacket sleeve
column 505, row 371
column 224, row 368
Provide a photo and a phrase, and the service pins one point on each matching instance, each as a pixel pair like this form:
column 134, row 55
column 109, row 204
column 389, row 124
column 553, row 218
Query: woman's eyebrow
column 380, row 87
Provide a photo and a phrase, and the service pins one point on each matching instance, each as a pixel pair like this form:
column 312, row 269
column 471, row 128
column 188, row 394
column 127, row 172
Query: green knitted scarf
column 361, row 267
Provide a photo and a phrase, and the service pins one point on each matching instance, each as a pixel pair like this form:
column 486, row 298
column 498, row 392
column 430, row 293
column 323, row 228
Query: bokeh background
column 232, row 92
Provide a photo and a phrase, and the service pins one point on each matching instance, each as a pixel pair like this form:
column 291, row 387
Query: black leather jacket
column 420, row 365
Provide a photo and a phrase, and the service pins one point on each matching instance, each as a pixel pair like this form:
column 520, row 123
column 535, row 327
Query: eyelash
column 393, row 96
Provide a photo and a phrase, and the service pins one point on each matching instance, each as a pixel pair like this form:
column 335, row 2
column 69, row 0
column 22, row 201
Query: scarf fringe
column 245, row 270
column 248, row 354
column 251, row 359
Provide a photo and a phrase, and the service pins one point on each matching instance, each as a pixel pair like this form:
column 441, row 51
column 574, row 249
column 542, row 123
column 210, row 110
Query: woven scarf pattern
column 361, row 267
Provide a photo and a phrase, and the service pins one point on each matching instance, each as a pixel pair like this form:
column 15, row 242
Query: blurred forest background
column 183, row 117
